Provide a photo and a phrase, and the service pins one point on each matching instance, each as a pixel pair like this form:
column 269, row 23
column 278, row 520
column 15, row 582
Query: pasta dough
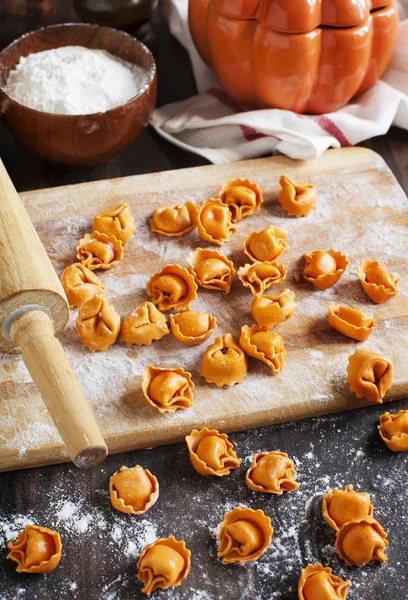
column 211, row 452
column 272, row 473
column 143, row 325
column 296, row 198
column 378, row 283
column 99, row 251
column 118, row 222
column 224, row 362
column 80, row 283
column 393, row 430
column 245, row 535
column 190, row 327
column 266, row 245
column 214, row 222
column 174, row 220
column 211, row 269
column 269, row 311
column 164, row 563
column 36, row 550
column 341, row 506
column 98, row 324
column 260, row 276
column 133, row 490
column 318, row 583
column 173, row 287
column 361, row 542
column 352, row 322
column 324, row 268
column 242, row 196
column 167, row 389
column 369, row 374
column 264, row 345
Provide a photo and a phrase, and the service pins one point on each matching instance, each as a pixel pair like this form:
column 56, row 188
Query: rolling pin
column 33, row 310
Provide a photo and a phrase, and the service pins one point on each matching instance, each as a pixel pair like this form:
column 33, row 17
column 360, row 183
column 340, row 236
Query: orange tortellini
column 264, row 345
column 173, row 287
column 369, row 374
column 133, row 490
column 164, row 563
column 174, row 220
column 296, row 198
column 118, row 222
column 361, row 542
column 378, row 283
column 98, row 324
column 242, row 196
column 214, row 222
column 167, row 389
column 143, row 325
column 80, row 283
column 341, row 506
column 272, row 473
column 323, row 268
column 266, row 245
column 352, row 322
column 192, row 327
column 271, row 310
column 211, row 269
column 319, row 583
column 260, row 276
column 245, row 534
column 211, row 452
column 36, row 550
column 224, row 362
column 393, row 430
column 99, row 251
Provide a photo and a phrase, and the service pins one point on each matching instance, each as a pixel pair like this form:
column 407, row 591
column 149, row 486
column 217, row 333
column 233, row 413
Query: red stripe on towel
column 331, row 127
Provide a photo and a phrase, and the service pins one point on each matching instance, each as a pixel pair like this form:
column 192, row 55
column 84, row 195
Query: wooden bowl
column 78, row 141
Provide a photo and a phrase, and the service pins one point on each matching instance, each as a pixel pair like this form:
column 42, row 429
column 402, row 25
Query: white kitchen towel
column 213, row 125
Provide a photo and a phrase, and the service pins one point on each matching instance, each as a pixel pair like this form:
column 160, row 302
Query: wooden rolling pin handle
column 33, row 333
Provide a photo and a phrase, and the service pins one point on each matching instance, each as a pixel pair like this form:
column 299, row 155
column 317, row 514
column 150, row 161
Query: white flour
column 73, row 80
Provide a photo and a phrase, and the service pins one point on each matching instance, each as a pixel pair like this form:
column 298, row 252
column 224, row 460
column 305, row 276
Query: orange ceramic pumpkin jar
column 308, row 56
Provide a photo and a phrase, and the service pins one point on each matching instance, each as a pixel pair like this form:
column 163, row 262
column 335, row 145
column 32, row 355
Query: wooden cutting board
column 361, row 210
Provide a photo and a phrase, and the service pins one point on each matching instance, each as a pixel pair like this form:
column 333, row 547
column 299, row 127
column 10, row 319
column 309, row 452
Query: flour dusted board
column 361, row 210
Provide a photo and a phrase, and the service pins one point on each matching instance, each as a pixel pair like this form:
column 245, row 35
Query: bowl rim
column 151, row 72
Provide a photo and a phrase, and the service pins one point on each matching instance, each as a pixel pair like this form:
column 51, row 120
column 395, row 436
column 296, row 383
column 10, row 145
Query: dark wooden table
column 100, row 544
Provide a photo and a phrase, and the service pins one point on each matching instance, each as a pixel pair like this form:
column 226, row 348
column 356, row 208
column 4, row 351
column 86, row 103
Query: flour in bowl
column 74, row 80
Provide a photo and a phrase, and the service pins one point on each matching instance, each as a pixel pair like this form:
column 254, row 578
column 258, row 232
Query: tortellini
column 99, row 251
column 164, row 563
column 245, row 534
column 118, row 222
column 361, row 542
column 341, row 506
column 352, row 322
column 393, row 430
column 259, row 276
column 167, row 389
column 214, row 222
column 175, row 220
column 80, row 283
column 271, row 310
column 224, row 362
column 378, row 283
column 324, row 268
column 133, row 490
column 36, row 550
column 143, row 325
column 264, row 345
column 191, row 327
column 173, row 287
column 296, row 198
column 98, row 324
column 272, row 473
column 369, row 374
column 319, row 583
column 242, row 196
column 211, row 452
column 266, row 245
column 211, row 269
